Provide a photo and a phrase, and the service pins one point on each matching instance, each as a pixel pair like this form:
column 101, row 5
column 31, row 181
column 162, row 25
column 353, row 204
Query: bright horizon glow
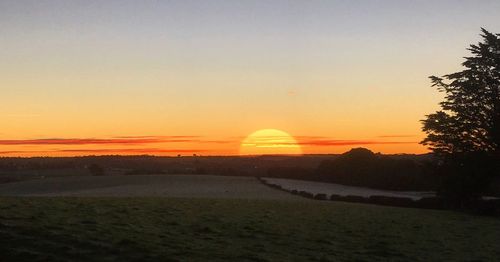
column 196, row 77
column 270, row 142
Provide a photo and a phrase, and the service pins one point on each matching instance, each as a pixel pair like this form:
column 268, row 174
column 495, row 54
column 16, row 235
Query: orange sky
column 197, row 77
column 188, row 145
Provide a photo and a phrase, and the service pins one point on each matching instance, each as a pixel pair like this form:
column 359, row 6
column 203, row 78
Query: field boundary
column 484, row 207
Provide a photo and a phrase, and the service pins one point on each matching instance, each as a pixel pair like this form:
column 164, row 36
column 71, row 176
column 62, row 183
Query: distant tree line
column 362, row 167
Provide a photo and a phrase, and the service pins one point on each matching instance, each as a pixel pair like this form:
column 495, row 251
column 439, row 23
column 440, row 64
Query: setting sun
column 270, row 141
column 211, row 130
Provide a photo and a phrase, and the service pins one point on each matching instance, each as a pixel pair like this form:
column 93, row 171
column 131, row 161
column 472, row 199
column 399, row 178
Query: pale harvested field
column 329, row 189
column 191, row 186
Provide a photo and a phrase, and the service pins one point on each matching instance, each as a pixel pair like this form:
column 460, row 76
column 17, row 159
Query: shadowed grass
column 169, row 229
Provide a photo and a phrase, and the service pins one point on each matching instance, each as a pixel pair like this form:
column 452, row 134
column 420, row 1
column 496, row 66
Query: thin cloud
column 311, row 137
column 323, row 141
column 157, row 137
column 116, row 140
column 110, row 151
column 396, row 136
column 19, row 152
column 331, row 142
column 217, row 141
column 133, row 150
column 77, row 141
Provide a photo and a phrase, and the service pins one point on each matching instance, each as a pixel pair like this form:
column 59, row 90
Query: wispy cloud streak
column 396, row 136
column 116, row 140
column 133, row 150
column 109, row 151
column 333, row 142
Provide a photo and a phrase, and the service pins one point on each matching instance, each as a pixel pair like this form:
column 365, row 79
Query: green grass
column 168, row 229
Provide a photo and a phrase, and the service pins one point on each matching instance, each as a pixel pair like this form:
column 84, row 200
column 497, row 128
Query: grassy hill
column 169, row 229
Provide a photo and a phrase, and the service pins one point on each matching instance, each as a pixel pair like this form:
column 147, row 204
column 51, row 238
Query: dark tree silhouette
column 470, row 117
column 362, row 167
column 466, row 131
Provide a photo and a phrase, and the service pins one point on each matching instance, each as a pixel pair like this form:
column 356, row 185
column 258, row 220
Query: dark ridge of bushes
column 320, row 197
column 481, row 207
column 362, row 167
column 306, row 194
column 291, row 172
column 335, row 197
column 354, row 199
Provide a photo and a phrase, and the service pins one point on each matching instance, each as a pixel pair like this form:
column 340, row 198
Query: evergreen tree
column 470, row 117
column 465, row 133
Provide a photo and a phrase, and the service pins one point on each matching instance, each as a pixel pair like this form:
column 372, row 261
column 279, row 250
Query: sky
column 197, row 77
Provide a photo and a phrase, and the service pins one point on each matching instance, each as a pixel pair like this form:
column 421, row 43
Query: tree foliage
column 465, row 133
column 469, row 119
column 362, row 167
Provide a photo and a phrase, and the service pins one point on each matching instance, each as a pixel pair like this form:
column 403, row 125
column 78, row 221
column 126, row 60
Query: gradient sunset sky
column 185, row 77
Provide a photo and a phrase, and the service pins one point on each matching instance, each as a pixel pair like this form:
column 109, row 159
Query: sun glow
column 269, row 141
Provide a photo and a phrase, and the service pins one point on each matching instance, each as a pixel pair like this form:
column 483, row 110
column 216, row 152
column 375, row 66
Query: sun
column 270, row 142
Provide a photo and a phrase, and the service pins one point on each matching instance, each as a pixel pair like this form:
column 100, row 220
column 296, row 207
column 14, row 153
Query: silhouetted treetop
column 358, row 154
column 362, row 167
column 469, row 119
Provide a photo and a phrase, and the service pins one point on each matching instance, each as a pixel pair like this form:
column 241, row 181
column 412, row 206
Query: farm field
column 205, row 186
column 202, row 186
column 182, row 229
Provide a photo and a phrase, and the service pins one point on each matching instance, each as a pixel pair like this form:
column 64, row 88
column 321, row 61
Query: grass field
column 180, row 186
column 170, row 229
